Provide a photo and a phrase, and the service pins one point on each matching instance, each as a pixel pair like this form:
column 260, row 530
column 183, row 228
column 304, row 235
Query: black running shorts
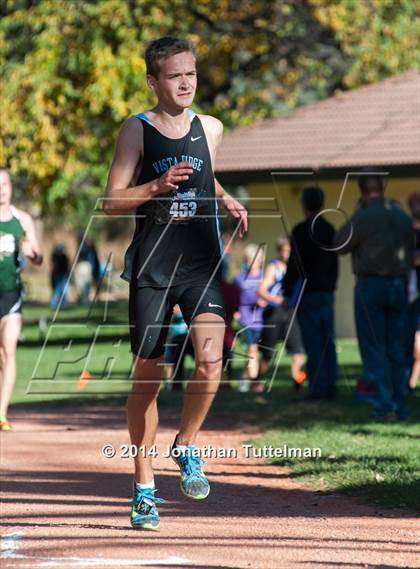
column 11, row 302
column 150, row 312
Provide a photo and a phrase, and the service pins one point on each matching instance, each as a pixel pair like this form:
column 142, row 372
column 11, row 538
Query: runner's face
column 5, row 188
column 177, row 81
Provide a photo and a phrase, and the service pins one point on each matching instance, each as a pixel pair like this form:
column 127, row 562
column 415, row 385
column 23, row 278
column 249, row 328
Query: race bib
column 7, row 245
column 183, row 206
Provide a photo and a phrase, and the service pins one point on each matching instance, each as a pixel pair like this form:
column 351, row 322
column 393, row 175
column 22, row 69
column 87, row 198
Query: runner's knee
column 210, row 366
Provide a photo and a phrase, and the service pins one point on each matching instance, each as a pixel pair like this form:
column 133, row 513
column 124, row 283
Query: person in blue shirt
column 279, row 324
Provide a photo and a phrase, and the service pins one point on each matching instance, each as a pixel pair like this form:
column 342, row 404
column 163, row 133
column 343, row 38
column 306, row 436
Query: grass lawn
column 377, row 462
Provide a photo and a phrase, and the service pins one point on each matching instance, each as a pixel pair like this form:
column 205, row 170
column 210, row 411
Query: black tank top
column 177, row 236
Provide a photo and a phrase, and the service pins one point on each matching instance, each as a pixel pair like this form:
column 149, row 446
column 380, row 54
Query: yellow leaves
column 38, row 161
column 112, row 75
column 374, row 35
column 291, row 76
column 74, row 69
column 260, row 49
column 286, row 8
column 133, row 57
column 260, row 23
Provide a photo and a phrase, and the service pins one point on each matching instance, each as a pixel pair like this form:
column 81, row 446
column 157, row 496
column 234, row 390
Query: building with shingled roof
column 326, row 143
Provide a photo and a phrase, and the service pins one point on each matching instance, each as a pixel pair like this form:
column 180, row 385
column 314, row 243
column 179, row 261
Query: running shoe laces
column 193, row 482
column 144, row 513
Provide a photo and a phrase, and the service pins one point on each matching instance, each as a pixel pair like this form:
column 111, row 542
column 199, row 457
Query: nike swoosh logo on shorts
column 193, row 139
column 215, row 305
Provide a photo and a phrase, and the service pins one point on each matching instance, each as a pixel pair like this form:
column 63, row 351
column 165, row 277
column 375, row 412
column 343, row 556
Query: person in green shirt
column 17, row 236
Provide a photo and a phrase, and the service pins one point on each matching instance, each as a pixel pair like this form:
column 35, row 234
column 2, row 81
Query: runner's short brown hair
column 162, row 48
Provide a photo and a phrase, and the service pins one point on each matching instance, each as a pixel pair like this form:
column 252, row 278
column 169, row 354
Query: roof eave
column 246, row 177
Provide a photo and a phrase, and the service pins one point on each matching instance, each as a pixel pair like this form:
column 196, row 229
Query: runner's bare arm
column 119, row 196
column 234, row 207
column 214, row 134
column 30, row 246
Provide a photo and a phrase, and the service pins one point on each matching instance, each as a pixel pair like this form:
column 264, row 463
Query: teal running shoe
column 144, row 513
column 193, row 482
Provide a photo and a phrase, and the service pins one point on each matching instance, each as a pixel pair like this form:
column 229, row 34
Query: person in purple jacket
column 251, row 310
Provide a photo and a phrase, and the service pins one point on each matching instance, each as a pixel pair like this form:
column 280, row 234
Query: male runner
column 17, row 233
column 169, row 153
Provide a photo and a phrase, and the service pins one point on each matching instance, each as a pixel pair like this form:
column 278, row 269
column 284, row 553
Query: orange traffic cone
column 83, row 380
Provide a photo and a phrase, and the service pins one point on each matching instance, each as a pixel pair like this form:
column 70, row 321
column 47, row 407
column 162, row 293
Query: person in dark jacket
column 380, row 238
column 314, row 264
column 60, row 271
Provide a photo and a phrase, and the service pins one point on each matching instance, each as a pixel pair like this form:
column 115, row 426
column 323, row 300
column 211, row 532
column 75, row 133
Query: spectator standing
column 313, row 259
column 413, row 327
column 279, row 324
column 380, row 238
column 59, row 276
column 250, row 310
column 87, row 271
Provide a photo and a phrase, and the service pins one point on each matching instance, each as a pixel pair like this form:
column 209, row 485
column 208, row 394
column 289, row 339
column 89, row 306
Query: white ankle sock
column 150, row 485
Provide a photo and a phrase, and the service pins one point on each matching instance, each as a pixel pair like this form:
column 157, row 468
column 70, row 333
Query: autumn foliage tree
column 73, row 70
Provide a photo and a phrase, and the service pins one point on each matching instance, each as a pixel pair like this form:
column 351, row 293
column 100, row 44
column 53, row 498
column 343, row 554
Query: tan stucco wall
column 264, row 229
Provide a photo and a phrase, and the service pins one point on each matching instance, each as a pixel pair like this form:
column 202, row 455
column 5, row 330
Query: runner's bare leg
column 10, row 327
column 207, row 334
column 142, row 413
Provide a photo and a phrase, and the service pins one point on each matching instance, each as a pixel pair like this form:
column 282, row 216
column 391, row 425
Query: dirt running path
column 64, row 505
